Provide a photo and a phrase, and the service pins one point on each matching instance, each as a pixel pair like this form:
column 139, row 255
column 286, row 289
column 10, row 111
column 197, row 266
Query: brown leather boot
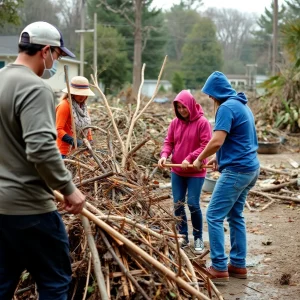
column 237, row 272
column 218, row 276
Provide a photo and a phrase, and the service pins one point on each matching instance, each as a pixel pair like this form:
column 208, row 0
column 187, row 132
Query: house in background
column 238, row 82
column 9, row 52
column 150, row 84
column 246, row 82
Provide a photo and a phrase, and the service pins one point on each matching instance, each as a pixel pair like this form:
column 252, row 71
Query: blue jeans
column 228, row 200
column 193, row 186
column 39, row 244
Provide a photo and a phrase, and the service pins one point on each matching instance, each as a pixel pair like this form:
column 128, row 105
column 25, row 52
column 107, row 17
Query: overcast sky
column 256, row 6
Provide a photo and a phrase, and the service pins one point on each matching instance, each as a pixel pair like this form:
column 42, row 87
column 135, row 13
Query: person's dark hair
column 27, row 48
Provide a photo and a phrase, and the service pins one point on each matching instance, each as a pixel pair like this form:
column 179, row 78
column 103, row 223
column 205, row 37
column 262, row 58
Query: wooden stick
column 248, row 206
column 132, row 272
column 267, row 205
column 271, row 196
column 77, row 163
column 294, row 199
column 88, row 145
column 95, row 256
column 156, row 88
column 279, row 186
column 137, row 147
column 125, row 262
column 94, row 127
column 71, row 109
column 83, row 182
column 87, row 277
column 123, row 277
column 204, row 254
column 275, row 170
column 133, row 119
column 218, row 294
column 109, row 113
column 157, row 265
column 284, row 191
column 107, row 280
column 178, row 250
column 180, row 165
column 121, row 265
column 95, row 190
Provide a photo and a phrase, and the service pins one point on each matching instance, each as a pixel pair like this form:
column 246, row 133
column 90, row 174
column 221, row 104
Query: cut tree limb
column 95, row 85
column 278, row 186
column 121, row 265
column 95, row 256
column 149, row 259
column 156, row 88
column 271, row 196
column 274, row 170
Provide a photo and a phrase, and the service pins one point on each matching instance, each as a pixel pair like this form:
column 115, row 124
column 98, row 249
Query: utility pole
column 95, row 42
column 82, row 31
column 251, row 72
column 82, row 38
column 275, row 36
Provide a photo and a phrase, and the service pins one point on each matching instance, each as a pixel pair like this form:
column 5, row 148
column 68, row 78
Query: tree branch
column 122, row 12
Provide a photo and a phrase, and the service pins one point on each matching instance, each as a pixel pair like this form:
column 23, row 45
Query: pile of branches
column 125, row 244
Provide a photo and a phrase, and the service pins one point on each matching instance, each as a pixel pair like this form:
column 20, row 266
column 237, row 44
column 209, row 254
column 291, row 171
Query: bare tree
column 126, row 10
column 70, row 19
column 233, row 29
column 30, row 11
column 180, row 22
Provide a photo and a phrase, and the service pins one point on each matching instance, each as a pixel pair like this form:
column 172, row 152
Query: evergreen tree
column 113, row 65
column 265, row 23
column 293, row 7
column 264, row 36
column 30, row 11
column 179, row 22
column 201, row 53
column 9, row 12
column 177, row 82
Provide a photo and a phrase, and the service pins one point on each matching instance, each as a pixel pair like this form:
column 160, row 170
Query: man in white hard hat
column 32, row 234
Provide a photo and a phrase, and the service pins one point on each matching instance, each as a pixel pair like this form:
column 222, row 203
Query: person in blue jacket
column 235, row 143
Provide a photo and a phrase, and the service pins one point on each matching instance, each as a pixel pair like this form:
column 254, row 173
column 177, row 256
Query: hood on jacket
column 218, row 87
column 187, row 99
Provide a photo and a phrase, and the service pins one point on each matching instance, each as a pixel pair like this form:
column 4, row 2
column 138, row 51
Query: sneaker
column 198, row 245
column 217, row 276
column 183, row 242
column 240, row 273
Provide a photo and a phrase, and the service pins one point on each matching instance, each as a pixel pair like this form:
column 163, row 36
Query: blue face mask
column 48, row 73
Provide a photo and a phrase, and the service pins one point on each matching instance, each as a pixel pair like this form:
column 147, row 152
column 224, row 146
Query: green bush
column 177, row 82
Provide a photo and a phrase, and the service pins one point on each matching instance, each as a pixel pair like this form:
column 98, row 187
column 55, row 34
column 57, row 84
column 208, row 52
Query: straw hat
column 79, row 86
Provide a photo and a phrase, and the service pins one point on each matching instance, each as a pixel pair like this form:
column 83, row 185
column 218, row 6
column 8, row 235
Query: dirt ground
column 273, row 248
column 273, row 259
column 273, row 235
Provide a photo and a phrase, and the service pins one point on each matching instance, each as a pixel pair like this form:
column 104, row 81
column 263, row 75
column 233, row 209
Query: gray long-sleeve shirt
column 30, row 163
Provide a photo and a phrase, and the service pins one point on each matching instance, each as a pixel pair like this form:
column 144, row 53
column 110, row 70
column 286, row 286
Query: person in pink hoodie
column 187, row 136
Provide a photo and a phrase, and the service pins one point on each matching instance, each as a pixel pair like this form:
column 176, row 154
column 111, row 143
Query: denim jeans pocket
column 243, row 180
column 225, row 177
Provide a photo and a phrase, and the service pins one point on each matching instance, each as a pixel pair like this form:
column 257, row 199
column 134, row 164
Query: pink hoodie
column 187, row 139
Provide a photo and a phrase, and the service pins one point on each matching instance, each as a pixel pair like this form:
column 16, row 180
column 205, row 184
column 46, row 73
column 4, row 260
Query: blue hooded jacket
column 238, row 153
